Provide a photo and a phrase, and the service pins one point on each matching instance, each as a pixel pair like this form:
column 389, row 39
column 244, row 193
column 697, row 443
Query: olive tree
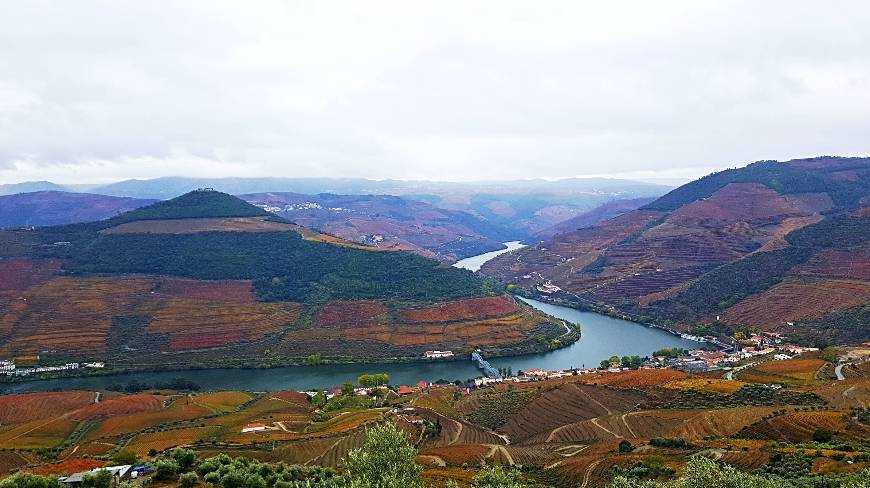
column 498, row 477
column 386, row 460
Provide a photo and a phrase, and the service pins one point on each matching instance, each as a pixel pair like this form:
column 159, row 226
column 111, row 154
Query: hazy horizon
column 97, row 92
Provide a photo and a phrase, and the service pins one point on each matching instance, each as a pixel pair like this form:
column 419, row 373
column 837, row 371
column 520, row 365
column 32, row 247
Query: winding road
column 838, row 370
column 730, row 374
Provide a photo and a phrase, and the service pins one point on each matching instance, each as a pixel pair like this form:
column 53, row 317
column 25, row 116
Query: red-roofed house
column 404, row 390
column 255, row 427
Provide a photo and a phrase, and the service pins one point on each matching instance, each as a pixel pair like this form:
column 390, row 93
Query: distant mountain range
column 597, row 215
column 42, row 208
column 524, row 206
column 388, row 222
column 383, row 221
column 30, row 186
column 208, row 279
column 776, row 246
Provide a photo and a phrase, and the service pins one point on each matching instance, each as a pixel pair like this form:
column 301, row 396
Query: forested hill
column 211, row 235
column 207, row 279
column 774, row 245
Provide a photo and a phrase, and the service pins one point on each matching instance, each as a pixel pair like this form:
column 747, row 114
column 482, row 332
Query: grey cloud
column 440, row 90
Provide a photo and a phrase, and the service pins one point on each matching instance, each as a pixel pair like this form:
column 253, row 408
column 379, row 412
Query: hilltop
column 209, row 279
column 772, row 246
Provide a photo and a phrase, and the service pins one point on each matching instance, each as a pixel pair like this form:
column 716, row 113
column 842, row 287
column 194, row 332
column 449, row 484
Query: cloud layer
column 100, row 91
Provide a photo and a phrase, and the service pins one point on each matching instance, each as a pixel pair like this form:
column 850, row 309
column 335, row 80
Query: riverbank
column 602, row 337
column 568, row 299
column 530, row 348
column 474, row 263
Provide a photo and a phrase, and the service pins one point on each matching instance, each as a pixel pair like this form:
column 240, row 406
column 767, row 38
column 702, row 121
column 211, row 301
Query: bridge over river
column 484, row 366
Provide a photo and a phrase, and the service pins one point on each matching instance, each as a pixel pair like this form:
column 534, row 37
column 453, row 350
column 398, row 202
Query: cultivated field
column 564, row 433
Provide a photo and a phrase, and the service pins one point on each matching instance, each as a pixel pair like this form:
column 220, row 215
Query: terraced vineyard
column 781, row 246
column 209, row 280
column 576, row 431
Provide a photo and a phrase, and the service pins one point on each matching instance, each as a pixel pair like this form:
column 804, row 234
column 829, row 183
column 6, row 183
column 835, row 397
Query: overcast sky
column 101, row 91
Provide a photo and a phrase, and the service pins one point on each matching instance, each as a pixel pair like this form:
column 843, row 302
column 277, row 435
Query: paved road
column 839, row 371
column 730, row 374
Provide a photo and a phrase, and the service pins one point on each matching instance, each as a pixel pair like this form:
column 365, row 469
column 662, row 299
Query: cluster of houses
column 8, row 368
column 700, row 360
column 533, row 375
column 548, row 288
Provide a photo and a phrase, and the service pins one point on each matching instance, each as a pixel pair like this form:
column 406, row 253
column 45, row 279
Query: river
column 475, row 262
column 602, row 336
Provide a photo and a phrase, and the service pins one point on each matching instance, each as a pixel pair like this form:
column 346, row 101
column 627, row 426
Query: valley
column 284, row 332
column 778, row 246
column 207, row 280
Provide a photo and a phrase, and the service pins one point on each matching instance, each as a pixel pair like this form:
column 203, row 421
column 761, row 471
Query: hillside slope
column 776, row 246
column 388, row 222
column 595, row 216
column 209, row 279
column 57, row 207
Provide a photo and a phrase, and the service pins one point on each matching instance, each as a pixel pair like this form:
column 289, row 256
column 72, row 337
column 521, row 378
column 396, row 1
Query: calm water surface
column 602, row 337
column 475, row 262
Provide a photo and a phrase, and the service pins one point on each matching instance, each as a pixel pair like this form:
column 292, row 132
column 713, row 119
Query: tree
column 233, row 479
column 152, row 452
column 314, row 358
column 370, row 380
column 823, row 435
column 347, row 388
column 27, row 480
column 165, row 469
column 705, row 473
column 625, row 446
column 497, row 477
column 188, row 480
column 98, row 479
column 184, row 457
column 319, row 399
column 255, row 481
column 604, row 364
column 614, row 359
column 125, row 457
column 386, row 460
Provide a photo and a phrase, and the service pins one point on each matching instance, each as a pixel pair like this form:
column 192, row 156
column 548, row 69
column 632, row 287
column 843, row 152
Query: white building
column 437, row 354
column 255, row 427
